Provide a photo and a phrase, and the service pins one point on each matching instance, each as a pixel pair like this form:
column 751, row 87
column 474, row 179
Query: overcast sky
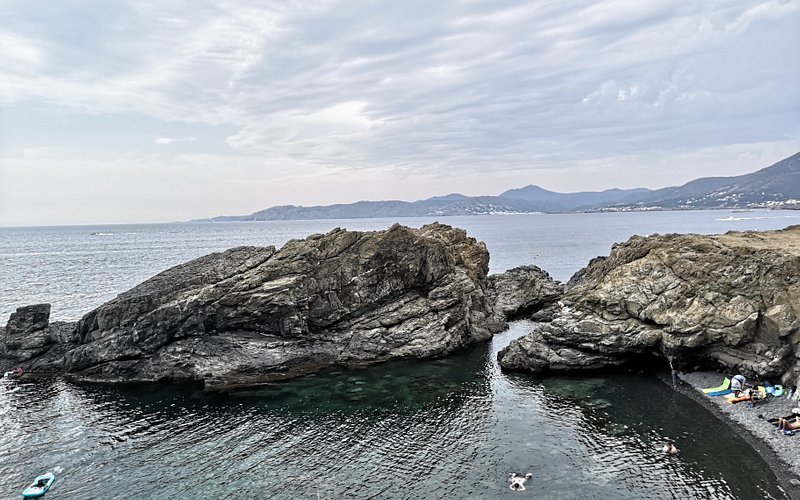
column 139, row 111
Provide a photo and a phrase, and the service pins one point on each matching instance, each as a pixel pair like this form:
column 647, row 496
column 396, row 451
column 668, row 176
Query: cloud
column 21, row 51
column 419, row 88
column 171, row 140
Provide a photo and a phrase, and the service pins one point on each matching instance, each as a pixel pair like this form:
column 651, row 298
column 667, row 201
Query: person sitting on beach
column 754, row 393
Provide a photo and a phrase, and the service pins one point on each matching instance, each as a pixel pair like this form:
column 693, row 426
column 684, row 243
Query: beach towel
column 725, row 384
column 720, row 393
column 762, row 393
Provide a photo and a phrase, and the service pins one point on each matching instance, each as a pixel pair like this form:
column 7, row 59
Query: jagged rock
column 522, row 292
column 731, row 300
column 28, row 319
column 27, row 333
column 251, row 315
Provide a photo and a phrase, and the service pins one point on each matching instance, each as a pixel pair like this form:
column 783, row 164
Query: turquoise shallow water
column 447, row 428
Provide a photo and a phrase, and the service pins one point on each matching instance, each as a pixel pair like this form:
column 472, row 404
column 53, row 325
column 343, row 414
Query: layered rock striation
column 29, row 333
column 525, row 292
column 251, row 315
column 729, row 301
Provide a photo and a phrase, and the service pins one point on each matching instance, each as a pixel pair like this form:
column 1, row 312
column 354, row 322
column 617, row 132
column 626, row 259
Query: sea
column 454, row 427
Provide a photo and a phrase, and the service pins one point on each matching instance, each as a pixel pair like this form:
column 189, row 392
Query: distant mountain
column 777, row 186
column 454, row 204
column 568, row 202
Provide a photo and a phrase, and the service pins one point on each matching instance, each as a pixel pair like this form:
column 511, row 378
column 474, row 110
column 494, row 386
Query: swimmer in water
column 518, row 482
column 670, row 448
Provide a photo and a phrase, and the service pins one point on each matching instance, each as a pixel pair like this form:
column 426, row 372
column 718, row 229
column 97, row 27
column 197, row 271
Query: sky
column 157, row 111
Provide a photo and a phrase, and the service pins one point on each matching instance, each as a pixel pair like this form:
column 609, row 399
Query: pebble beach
column 781, row 451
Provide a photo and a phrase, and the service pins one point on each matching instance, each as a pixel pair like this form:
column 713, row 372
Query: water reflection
column 396, row 386
column 634, row 417
column 452, row 427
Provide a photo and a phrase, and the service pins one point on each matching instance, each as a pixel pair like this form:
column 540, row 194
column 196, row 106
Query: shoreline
column 780, row 452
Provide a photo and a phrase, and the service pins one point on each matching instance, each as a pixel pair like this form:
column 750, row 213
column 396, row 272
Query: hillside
column 776, row 186
column 567, row 202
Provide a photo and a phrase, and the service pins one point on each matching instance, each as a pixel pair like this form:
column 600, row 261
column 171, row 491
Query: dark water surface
column 446, row 428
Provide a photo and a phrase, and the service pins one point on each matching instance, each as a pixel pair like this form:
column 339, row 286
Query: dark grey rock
column 523, row 292
column 27, row 333
column 251, row 315
column 28, row 319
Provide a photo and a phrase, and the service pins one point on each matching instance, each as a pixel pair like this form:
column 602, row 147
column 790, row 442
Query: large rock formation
column 251, row 315
column 729, row 300
column 29, row 333
column 523, row 292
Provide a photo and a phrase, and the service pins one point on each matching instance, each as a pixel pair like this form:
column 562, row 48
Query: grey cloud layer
column 420, row 85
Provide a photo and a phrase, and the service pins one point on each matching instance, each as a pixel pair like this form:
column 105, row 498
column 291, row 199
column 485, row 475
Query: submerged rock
column 251, row 315
column 731, row 301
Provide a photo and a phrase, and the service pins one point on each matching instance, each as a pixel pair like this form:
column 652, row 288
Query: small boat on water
column 39, row 486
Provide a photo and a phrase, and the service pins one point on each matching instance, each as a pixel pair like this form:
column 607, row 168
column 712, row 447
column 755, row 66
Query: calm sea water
column 77, row 268
column 452, row 427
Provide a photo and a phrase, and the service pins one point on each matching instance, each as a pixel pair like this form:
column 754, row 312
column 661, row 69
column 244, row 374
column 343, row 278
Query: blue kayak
column 39, row 486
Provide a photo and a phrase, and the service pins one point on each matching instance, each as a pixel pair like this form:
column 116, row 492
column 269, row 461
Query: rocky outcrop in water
column 523, row 292
column 251, row 315
column 29, row 333
column 730, row 301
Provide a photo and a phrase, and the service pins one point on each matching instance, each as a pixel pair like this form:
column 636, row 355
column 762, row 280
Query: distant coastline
column 773, row 187
column 228, row 219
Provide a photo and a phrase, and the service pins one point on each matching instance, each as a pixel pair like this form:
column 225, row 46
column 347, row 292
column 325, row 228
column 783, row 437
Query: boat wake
column 731, row 219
